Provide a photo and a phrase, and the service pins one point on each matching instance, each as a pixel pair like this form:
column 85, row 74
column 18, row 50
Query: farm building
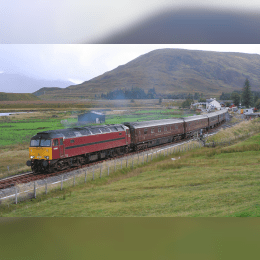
column 212, row 104
column 92, row 117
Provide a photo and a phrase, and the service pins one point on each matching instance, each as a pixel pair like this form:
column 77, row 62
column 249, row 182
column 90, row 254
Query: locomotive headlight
column 47, row 157
column 32, row 157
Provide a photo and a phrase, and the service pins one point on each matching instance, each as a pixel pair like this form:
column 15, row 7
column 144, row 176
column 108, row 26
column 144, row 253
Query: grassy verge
column 222, row 181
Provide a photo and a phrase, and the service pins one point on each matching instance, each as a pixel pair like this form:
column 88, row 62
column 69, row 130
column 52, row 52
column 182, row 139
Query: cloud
column 74, row 21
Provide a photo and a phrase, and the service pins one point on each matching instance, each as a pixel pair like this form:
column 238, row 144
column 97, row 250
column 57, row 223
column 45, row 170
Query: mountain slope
column 179, row 71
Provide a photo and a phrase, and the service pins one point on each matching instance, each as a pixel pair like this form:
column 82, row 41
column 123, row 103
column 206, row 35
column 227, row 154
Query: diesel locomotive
column 56, row 150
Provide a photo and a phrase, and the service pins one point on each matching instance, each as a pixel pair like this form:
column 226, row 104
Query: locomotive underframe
column 40, row 166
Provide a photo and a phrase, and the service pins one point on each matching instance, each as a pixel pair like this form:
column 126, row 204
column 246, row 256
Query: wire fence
column 30, row 190
column 12, row 169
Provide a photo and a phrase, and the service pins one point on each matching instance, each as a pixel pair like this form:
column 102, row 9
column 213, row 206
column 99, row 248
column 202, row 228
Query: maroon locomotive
column 64, row 148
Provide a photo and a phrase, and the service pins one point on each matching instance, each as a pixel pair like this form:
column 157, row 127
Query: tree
column 202, row 100
column 255, row 98
column 236, row 98
column 247, row 94
column 186, row 103
column 257, row 105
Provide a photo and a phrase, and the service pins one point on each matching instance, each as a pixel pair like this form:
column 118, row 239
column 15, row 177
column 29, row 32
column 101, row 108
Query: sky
column 82, row 62
column 76, row 21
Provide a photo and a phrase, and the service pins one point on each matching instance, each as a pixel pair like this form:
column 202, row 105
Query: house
column 92, row 117
column 212, row 104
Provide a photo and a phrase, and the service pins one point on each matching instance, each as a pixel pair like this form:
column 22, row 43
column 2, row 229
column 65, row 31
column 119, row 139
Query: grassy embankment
column 221, row 181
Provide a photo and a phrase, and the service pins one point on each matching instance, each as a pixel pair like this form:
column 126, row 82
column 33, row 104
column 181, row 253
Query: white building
column 213, row 104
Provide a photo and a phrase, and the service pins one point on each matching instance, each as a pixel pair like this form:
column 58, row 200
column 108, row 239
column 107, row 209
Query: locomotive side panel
column 90, row 144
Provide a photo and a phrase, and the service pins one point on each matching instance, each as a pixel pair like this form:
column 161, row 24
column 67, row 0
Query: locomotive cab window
column 55, row 142
column 145, row 131
column 35, row 143
column 72, row 141
column 45, row 142
column 61, row 141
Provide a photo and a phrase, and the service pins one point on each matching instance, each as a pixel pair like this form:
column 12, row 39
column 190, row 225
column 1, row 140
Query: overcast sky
column 74, row 21
column 82, row 62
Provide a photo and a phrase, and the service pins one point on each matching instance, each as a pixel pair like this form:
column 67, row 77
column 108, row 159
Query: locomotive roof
column 80, row 131
column 152, row 123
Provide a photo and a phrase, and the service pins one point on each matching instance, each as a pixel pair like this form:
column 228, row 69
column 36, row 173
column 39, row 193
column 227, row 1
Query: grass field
column 222, row 181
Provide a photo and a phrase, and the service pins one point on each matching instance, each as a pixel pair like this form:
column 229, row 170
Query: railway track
column 30, row 176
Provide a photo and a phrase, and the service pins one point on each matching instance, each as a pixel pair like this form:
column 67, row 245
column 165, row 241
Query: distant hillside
column 15, row 83
column 17, row 97
column 179, row 71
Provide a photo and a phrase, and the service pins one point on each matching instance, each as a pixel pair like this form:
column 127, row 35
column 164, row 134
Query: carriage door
column 61, row 146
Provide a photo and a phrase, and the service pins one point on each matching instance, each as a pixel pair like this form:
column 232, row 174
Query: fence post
column 73, row 178
column 132, row 162
column 143, row 158
column 108, row 170
column 164, row 152
column 147, row 157
column 85, row 176
column 156, row 153
column 121, row 164
column 151, row 156
column 93, row 173
column 8, row 168
column 138, row 159
column 114, row 165
column 46, row 187
column 61, row 182
column 167, row 151
column 100, row 171
column 126, row 162
column 35, row 189
column 15, row 194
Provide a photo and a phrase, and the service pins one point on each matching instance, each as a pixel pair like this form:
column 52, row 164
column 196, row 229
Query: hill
column 17, row 97
column 179, row 71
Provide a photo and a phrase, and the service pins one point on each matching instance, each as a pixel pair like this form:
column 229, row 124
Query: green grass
column 203, row 183
column 21, row 131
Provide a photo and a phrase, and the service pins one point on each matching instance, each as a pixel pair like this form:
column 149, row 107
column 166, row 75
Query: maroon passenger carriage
column 151, row 133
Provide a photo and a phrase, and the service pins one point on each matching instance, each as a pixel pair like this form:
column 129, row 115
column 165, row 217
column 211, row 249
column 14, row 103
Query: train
column 57, row 150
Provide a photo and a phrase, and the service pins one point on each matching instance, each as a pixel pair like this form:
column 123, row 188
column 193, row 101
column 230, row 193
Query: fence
column 12, row 169
column 30, row 190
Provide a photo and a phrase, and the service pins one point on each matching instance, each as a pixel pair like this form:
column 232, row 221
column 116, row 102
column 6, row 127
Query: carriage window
column 61, row 141
column 55, row 142
column 71, row 141
column 145, row 131
column 152, row 130
column 159, row 129
column 165, row 128
column 170, row 127
column 139, row 132
column 176, row 126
